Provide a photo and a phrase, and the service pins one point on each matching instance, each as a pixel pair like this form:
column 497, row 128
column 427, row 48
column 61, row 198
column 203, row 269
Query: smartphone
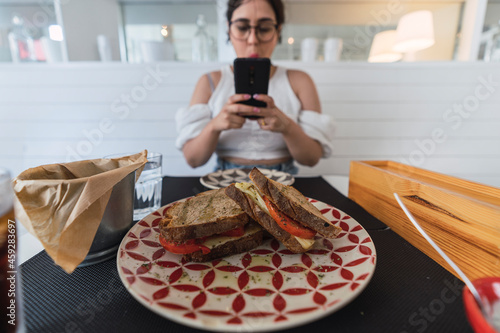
column 251, row 76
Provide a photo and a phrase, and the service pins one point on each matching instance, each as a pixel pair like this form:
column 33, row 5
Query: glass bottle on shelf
column 21, row 42
column 202, row 43
column 495, row 47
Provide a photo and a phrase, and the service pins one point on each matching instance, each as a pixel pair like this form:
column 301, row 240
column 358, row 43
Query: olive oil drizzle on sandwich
column 207, row 211
column 184, row 211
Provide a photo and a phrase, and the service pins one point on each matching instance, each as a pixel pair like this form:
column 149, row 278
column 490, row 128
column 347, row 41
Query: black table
column 409, row 292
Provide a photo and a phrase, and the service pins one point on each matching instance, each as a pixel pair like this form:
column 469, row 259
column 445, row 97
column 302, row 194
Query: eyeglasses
column 240, row 30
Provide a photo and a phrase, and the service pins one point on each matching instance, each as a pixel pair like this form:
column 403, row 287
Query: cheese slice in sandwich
column 282, row 210
column 208, row 226
column 254, row 194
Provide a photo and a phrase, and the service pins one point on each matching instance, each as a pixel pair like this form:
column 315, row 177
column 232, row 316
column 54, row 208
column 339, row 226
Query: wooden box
column 462, row 217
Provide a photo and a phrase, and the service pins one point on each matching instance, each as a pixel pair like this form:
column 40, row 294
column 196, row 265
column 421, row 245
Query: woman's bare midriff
column 244, row 161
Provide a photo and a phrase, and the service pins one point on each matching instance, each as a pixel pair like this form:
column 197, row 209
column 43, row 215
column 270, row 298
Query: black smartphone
column 251, row 76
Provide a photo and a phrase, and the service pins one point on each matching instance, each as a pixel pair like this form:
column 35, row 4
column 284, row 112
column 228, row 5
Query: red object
column 183, row 248
column 23, row 50
column 476, row 318
column 193, row 245
column 287, row 223
column 39, row 52
column 236, row 232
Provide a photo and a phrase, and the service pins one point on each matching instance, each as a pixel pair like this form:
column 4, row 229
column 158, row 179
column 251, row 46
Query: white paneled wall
column 439, row 116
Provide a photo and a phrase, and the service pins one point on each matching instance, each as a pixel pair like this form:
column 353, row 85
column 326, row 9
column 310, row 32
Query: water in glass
column 148, row 190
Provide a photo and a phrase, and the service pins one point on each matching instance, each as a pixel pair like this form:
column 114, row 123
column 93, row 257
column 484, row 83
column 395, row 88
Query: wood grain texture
column 462, row 217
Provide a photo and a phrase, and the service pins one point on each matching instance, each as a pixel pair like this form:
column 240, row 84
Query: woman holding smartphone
column 290, row 128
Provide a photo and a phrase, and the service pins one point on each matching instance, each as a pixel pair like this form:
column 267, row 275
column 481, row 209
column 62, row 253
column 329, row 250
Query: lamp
column 56, row 33
column 382, row 47
column 415, row 32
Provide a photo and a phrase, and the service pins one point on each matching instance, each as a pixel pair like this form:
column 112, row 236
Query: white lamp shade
column 382, row 47
column 415, row 32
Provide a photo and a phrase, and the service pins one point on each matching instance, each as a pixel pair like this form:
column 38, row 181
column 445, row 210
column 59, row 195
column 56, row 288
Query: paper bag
column 63, row 204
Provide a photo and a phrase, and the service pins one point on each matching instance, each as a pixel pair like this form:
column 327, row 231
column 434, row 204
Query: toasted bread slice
column 264, row 219
column 294, row 204
column 205, row 214
column 226, row 246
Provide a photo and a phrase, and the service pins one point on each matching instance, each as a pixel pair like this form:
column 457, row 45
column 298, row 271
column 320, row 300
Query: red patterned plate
column 266, row 289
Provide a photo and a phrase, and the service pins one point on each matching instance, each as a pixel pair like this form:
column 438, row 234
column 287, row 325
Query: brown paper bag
column 63, row 204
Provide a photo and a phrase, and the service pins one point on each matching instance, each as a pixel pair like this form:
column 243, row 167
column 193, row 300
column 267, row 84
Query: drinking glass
column 10, row 309
column 148, row 187
column 147, row 196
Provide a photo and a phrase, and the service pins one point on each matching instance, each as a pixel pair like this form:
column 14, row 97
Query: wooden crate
column 462, row 217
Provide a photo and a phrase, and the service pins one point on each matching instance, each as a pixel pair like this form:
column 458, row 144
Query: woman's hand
column 303, row 148
column 272, row 119
column 231, row 115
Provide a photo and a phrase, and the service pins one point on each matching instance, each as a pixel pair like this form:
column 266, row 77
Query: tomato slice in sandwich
column 183, row 248
column 236, row 232
column 287, row 223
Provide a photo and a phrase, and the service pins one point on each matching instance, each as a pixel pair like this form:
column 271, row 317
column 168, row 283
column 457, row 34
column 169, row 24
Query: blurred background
column 138, row 31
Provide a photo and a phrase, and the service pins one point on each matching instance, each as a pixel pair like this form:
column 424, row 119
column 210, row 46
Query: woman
column 291, row 127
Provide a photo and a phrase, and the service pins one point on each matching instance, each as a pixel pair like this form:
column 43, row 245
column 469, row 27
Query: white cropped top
column 250, row 141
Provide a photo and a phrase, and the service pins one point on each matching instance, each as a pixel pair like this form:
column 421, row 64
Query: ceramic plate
column 223, row 178
column 266, row 289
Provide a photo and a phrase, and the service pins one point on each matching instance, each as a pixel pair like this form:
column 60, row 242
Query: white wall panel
column 107, row 129
column 404, row 111
column 87, row 112
column 51, row 113
column 396, row 93
column 415, row 129
column 133, row 95
column 84, row 73
column 345, row 147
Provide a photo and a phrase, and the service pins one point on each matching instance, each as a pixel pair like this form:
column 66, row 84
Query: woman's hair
column 276, row 5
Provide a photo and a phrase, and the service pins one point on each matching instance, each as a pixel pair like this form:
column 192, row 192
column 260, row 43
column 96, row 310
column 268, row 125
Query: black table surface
column 409, row 292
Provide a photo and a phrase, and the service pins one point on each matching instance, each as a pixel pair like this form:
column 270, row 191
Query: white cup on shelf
column 309, row 49
column 333, row 49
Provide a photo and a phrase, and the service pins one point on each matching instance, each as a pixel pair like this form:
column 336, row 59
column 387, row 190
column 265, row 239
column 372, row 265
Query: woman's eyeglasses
column 264, row 31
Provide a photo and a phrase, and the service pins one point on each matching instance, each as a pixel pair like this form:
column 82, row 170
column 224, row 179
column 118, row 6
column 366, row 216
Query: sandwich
column 208, row 226
column 283, row 211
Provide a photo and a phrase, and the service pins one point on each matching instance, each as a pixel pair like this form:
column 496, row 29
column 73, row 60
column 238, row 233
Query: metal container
column 116, row 222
